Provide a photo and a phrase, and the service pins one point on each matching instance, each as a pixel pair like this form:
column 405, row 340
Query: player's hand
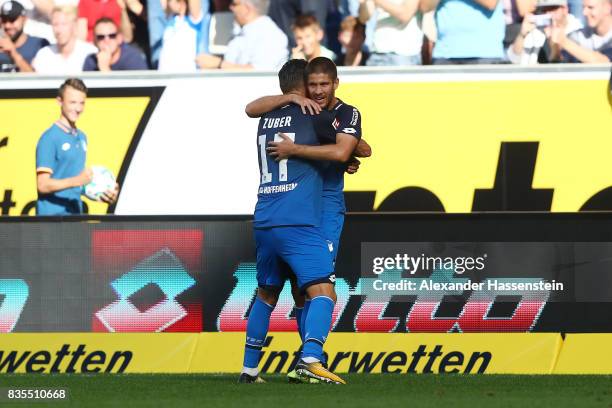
column 110, row 196
column 306, row 104
column 353, row 166
column 85, row 177
column 281, row 150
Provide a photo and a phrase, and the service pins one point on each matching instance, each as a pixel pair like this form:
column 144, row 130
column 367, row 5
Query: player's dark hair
column 106, row 20
column 291, row 75
column 322, row 65
column 74, row 83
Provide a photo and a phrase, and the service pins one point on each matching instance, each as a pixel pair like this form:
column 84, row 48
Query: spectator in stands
column 284, row 13
column 38, row 13
column 397, row 37
column 113, row 54
column 137, row 14
column 157, row 20
column 529, row 46
column 68, row 54
column 308, row 36
column 352, row 39
column 220, row 5
column 159, row 16
column 181, row 44
column 469, row 31
column 259, row 45
column 17, row 49
column 591, row 44
column 90, row 11
column 514, row 11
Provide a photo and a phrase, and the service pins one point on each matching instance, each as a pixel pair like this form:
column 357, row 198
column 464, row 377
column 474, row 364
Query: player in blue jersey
column 60, row 157
column 322, row 82
column 287, row 234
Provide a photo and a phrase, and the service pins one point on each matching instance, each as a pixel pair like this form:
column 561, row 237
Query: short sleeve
column 133, row 59
column 272, row 53
column 38, row 60
column 90, row 63
column 349, row 121
column 234, row 48
column 45, row 153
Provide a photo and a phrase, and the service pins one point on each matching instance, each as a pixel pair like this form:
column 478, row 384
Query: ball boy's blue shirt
column 62, row 152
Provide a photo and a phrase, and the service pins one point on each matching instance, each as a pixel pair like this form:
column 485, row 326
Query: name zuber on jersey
column 271, row 123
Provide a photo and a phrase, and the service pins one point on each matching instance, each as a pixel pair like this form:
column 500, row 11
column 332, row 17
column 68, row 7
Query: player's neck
column 65, row 122
column 333, row 103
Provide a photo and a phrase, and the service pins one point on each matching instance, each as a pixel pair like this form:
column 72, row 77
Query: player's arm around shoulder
column 265, row 104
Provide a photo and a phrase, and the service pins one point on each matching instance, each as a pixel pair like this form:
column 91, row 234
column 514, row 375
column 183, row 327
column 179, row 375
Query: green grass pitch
column 363, row 390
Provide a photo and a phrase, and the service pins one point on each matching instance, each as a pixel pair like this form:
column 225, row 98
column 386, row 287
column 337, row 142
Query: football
column 102, row 181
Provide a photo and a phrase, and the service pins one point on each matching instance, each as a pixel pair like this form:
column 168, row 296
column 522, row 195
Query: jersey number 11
column 266, row 177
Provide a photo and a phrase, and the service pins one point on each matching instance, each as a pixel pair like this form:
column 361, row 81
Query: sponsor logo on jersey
column 355, row 117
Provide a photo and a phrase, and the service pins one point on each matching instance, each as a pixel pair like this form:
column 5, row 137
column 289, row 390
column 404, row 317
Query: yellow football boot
column 317, row 371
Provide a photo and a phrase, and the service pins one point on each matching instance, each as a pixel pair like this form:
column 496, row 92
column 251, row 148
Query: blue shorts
column 331, row 228
column 302, row 250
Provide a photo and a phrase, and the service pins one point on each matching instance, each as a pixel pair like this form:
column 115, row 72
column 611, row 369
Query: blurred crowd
column 70, row 36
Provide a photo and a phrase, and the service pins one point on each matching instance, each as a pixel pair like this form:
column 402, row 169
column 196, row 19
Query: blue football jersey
column 290, row 190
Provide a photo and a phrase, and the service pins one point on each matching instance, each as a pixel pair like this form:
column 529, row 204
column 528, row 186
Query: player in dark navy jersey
column 287, row 234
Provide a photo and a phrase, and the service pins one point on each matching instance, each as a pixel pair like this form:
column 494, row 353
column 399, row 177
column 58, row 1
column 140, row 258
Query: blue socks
column 314, row 321
column 257, row 330
column 302, row 319
column 318, row 319
column 298, row 318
